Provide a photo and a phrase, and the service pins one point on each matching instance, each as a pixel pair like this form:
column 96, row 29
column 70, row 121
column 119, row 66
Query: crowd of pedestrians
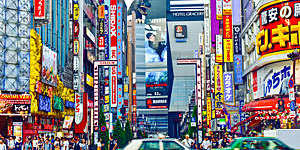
column 209, row 142
column 39, row 143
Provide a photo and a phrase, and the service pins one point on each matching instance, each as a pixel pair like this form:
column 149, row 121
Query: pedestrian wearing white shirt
column 206, row 144
column 65, row 144
column 187, row 141
column 2, row 145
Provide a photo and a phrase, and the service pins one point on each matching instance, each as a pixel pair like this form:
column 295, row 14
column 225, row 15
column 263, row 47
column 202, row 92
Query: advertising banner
column 58, row 103
column 113, row 52
column 227, row 7
column 101, row 12
column 219, row 87
column 180, row 10
column 219, row 12
column 227, row 27
column 273, row 79
column 68, row 122
column 207, row 40
column 238, row 69
column 156, row 46
column 297, row 72
column 75, row 11
column 78, row 108
column 157, row 89
column 44, row 103
column 278, row 27
column 228, row 50
column 212, row 73
column 228, row 88
column 219, row 49
column 209, row 111
column 180, row 31
column 49, row 66
column 96, row 96
column 39, row 9
column 120, row 100
column 214, row 22
column 119, row 41
column 15, row 103
column 81, row 119
column 237, row 45
column 89, row 80
column 106, row 33
column 254, row 84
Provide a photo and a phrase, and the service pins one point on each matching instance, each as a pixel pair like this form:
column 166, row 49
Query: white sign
column 291, row 94
column 207, row 29
column 193, row 124
column 219, row 49
column 78, row 108
column 90, row 35
column 76, row 81
column 68, row 122
column 227, row 5
column 76, row 64
column 219, row 9
column 199, row 92
column 106, row 63
column 17, row 123
column 96, row 96
column 273, row 79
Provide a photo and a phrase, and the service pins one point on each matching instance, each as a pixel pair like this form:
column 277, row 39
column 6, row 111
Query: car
column 155, row 144
column 254, row 143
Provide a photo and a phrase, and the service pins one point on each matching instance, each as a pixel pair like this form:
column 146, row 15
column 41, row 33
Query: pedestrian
column 77, row 144
column 187, row 141
column 206, row 144
column 52, row 142
column 215, row 143
column 83, row 145
column 113, row 145
column 47, row 145
column 11, row 143
column 35, row 143
column 65, row 144
column 57, row 144
column 2, row 145
column 71, row 144
column 18, row 144
column 28, row 144
column 41, row 144
column 100, row 144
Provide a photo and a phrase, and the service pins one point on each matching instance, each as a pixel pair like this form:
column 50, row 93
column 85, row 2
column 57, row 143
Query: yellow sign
column 219, row 87
column 107, row 99
column 213, row 114
column 209, row 107
column 101, row 10
column 89, row 80
column 125, row 87
column 228, row 50
column 76, row 47
column 75, row 12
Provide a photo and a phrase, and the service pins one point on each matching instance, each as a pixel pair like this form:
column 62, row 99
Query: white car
column 155, row 144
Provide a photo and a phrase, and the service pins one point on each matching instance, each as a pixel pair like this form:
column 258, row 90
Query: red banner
column 79, row 128
column 39, row 9
column 227, row 27
column 279, row 27
column 15, row 97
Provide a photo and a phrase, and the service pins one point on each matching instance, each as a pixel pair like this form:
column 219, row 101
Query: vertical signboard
column 227, row 38
column 219, row 49
column 119, row 57
column 113, row 52
column 219, row 88
column 209, row 111
column 39, row 9
column 199, row 91
column 96, row 97
column 219, row 6
column 238, row 69
column 207, row 40
column 237, row 46
column 212, row 73
column 228, row 88
column 227, row 7
column 106, row 32
column 254, row 84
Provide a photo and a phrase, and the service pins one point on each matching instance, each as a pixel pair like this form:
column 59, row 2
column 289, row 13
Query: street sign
column 293, row 105
column 291, row 94
column 291, row 83
column 193, row 124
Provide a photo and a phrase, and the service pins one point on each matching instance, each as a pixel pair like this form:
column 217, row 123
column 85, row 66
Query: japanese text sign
column 228, row 87
column 219, row 9
column 279, row 27
column 39, row 9
column 219, row 88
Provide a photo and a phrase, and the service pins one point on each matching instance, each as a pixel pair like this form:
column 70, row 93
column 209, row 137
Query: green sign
column 58, row 103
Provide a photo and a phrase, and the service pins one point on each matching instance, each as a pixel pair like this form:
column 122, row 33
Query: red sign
column 255, row 81
column 114, row 86
column 39, row 9
column 279, row 26
column 106, row 63
column 227, row 27
column 101, row 43
column 15, row 97
column 76, row 28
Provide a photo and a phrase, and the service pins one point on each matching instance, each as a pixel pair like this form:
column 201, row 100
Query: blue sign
column 238, row 69
column 228, row 87
column 44, row 103
column 292, row 106
column 106, row 32
column 119, row 40
column 69, row 104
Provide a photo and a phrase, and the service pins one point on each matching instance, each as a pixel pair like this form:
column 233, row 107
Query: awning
column 254, row 123
column 268, row 104
column 235, row 127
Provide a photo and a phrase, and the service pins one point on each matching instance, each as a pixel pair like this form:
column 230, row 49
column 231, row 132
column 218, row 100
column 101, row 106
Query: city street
column 149, row 74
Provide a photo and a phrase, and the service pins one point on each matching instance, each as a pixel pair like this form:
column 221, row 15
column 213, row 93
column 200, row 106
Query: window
column 171, row 145
column 263, row 144
column 150, row 145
